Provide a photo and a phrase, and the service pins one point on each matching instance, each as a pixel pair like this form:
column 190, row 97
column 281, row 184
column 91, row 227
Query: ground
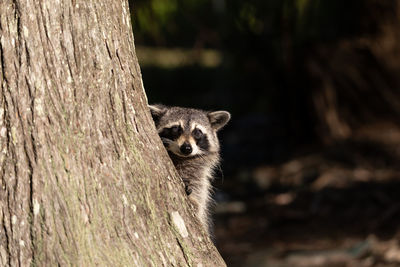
column 334, row 205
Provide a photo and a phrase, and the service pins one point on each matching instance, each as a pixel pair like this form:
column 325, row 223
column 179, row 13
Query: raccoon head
column 188, row 132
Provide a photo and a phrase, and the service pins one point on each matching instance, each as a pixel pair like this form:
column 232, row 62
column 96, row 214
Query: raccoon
column 190, row 137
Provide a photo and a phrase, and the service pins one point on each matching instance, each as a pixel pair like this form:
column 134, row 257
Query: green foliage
column 153, row 16
column 172, row 22
column 218, row 23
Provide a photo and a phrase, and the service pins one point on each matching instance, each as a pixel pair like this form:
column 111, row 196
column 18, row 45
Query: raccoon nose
column 186, row 148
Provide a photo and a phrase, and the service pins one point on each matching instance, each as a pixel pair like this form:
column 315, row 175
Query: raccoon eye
column 197, row 134
column 171, row 133
column 175, row 130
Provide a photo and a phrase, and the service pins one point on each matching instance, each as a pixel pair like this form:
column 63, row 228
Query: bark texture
column 84, row 178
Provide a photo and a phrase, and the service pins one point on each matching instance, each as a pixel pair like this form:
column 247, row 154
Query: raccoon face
column 188, row 132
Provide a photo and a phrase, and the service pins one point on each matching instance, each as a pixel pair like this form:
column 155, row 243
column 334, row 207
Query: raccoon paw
column 188, row 190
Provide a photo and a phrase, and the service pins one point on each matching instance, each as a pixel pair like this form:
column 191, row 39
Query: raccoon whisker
column 201, row 155
column 166, row 140
column 220, row 170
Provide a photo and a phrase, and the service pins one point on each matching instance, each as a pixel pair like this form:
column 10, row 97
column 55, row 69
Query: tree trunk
column 84, row 178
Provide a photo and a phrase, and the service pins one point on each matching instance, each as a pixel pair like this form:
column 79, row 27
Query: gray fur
column 196, row 169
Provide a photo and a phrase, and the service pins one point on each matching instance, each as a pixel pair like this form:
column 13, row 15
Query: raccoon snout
column 186, row 149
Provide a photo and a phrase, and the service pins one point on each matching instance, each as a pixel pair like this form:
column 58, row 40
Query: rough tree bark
column 84, row 178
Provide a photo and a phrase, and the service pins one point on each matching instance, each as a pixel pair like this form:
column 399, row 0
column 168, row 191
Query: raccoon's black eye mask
column 197, row 134
column 171, row 133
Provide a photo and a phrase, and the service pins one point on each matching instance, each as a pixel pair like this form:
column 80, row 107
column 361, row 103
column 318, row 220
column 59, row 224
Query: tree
column 84, row 178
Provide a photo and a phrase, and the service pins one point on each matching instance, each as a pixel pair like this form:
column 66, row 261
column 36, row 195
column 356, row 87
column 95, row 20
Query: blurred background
column 311, row 159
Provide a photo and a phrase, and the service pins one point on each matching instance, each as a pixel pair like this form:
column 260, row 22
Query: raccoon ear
column 157, row 111
column 218, row 119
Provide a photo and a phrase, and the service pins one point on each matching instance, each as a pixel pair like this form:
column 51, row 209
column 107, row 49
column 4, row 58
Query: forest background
column 311, row 158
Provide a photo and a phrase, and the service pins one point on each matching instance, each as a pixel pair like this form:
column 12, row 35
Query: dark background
column 311, row 158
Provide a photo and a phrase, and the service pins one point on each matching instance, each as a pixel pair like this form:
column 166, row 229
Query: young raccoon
column 190, row 137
